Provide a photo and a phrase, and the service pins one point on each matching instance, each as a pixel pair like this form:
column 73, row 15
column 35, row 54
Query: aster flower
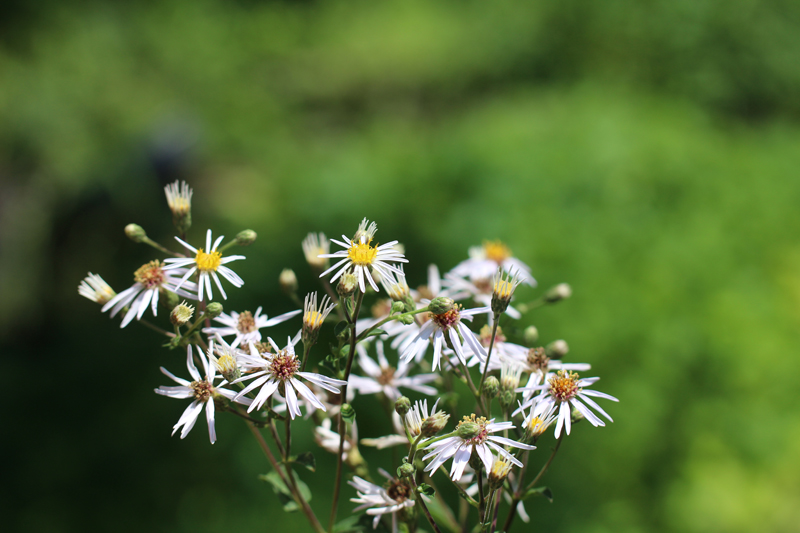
column 209, row 264
column 360, row 256
column 539, row 417
column 246, row 325
column 473, row 435
column 480, row 290
column 201, row 389
column 484, row 260
column 314, row 315
column 391, row 499
column 149, row 280
column 566, row 389
column 541, row 367
column 419, row 422
column 282, row 370
column 316, row 245
column 382, row 377
column 179, row 199
column 96, row 289
column 450, row 324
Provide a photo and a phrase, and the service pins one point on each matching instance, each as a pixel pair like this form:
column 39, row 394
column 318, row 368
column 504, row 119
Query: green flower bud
column 562, row 291
column 398, row 307
column 402, row 405
column 348, row 413
column 531, row 335
column 440, row 305
column 288, row 281
column 491, row 387
column 406, row 470
column 135, row 232
column 246, row 237
column 468, row 430
column 557, row 349
column 213, row 310
column 507, row 397
column 433, row 424
column 347, row 285
column 406, row 319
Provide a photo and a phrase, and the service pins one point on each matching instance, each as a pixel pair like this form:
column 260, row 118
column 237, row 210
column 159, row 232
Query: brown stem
column 425, row 507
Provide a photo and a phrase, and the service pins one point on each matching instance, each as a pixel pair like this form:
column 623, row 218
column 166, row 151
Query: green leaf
column 426, row 489
column 283, row 492
column 307, row 460
column 540, row 491
column 376, row 332
column 468, row 498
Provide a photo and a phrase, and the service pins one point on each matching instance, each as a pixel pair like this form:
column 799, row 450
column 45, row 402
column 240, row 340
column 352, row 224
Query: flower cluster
column 373, row 330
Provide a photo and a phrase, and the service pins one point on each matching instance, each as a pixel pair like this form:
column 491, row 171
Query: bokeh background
column 645, row 152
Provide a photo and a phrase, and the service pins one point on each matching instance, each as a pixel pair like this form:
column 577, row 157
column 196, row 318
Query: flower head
column 392, row 498
column 382, row 377
column 484, row 260
column 419, row 422
column 314, row 315
column 246, row 325
column 316, row 245
column 360, row 257
column 208, row 263
column 96, row 289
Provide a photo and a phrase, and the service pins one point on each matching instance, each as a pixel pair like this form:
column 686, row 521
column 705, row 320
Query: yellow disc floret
column 496, row 251
column 362, row 254
column 208, row 261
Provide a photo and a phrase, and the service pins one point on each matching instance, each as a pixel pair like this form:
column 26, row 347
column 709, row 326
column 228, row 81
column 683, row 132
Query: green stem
column 489, row 356
column 154, row 244
column 424, row 507
column 366, row 332
column 156, row 328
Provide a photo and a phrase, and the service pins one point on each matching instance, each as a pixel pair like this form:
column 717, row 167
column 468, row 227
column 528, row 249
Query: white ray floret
column 209, row 264
column 201, row 389
column 484, row 260
column 382, row 377
column 361, row 257
column 246, row 325
column 379, row 501
column 96, row 289
column 149, row 280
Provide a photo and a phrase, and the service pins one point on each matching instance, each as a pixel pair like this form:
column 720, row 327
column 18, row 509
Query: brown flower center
column 386, row 376
column 482, row 431
column 284, row 365
column 246, row 322
column 398, row 490
column 202, row 390
column 150, row 275
column 538, row 359
column 448, row 319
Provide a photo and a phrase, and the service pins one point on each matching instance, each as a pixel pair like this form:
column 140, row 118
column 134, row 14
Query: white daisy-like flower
column 564, row 390
column 207, row 264
column 382, row 377
column 474, row 435
column 201, row 389
column 538, row 418
column 96, row 289
column 281, row 370
column 378, row 501
column 505, row 350
column 179, row 198
column 316, row 245
column 450, row 324
column 484, row 260
column 360, row 256
column 246, row 325
column 149, row 279
column 540, row 367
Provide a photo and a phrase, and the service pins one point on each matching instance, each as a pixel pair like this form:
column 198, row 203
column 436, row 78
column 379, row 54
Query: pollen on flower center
column 448, row 319
column 480, row 433
column 208, row 261
column 398, row 490
column 362, row 254
column 284, row 365
column 246, row 322
column 564, row 385
column 386, row 376
column 150, row 275
column 202, row 390
column 538, row 359
column 496, row 251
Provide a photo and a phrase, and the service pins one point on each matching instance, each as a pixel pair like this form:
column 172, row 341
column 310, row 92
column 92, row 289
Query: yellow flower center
column 362, row 254
column 496, row 251
column 536, row 426
column 210, row 261
column 313, row 319
column 150, row 275
column 564, row 385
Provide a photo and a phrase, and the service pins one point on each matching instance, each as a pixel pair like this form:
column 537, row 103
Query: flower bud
column 531, row 335
column 433, row 424
column 557, row 349
column 246, row 237
column 499, row 472
column 503, row 287
column 440, row 305
column 347, row 285
column 562, row 291
column 288, row 281
column 213, row 310
column 507, row 397
column 491, row 387
column 135, row 232
column 468, row 430
column 347, row 412
column 576, row 415
column 398, row 307
column 402, row 405
column 406, row 319
column 406, row 470
column 181, row 314
column 179, row 199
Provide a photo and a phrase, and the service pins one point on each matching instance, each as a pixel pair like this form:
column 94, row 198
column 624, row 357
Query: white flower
column 541, row 368
column 283, row 368
column 328, row 439
column 505, row 350
column 474, row 434
column 316, row 245
column 449, row 324
column 382, row 377
column 202, row 389
column 179, row 198
column 379, row 501
column 484, row 260
column 208, row 264
column 246, row 325
column 565, row 389
column 362, row 257
column 149, row 279
column 539, row 417
column 96, row 289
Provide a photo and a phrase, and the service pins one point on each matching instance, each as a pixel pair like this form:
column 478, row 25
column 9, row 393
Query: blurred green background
column 645, row 152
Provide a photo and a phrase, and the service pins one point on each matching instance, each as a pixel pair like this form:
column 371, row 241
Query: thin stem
column 488, row 510
column 524, row 308
column 496, row 509
column 421, row 502
column 389, row 318
column 156, row 328
column 489, row 356
column 481, row 494
column 306, row 351
column 154, row 244
column 343, row 399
